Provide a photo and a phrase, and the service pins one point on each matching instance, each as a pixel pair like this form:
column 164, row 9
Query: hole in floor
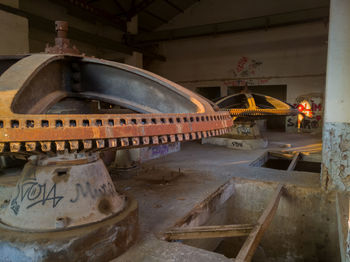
column 308, row 166
column 276, row 163
column 297, row 235
column 291, row 161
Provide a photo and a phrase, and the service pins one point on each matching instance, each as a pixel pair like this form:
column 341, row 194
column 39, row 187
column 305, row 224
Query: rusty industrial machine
column 253, row 105
column 59, row 109
column 245, row 109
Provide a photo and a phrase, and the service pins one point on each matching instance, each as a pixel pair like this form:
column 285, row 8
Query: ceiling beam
column 256, row 23
column 132, row 4
column 48, row 25
column 139, row 8
column 120, row 7
column 76, row 7
column 174, row 6
column 155, row 16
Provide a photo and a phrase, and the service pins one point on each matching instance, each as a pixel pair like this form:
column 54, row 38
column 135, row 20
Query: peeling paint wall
column 335, row 158
column 336, row 131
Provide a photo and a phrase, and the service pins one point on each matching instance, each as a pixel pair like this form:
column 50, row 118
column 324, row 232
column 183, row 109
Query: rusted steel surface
column 205, row 232
column 33, row 133
column 62, row 43
column 52, row 102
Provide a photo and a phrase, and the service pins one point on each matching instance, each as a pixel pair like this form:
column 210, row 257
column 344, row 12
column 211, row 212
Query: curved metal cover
column 161, row 111
column 253, row 104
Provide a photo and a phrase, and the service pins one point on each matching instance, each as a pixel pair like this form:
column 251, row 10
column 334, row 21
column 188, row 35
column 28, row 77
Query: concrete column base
column 130, row 158
column 335, row 174
column 244, row 130
column 66, row 208
column 59, row 192
column 241, row 144
column 100, row 241
column 245, row 135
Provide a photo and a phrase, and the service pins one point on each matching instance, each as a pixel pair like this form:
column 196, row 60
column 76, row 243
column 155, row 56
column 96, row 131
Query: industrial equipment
column 60, row 109
column 245, row 108
column 247, row 104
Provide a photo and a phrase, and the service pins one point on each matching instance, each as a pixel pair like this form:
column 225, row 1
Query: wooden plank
column 212, row 203
column 204, row 232
column 294, row 162
column 281, row 155
column 248, row 249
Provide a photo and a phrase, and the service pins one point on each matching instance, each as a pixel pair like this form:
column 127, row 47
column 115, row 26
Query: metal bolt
column 62, row 222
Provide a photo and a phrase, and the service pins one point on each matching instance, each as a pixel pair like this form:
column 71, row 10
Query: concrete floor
column 168, row 188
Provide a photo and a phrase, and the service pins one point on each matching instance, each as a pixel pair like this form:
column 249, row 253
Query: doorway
column 211, row 93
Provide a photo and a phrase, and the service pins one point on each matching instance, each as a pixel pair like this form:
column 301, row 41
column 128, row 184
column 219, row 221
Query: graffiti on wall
column 148, row 153
column 246, row 68
column 313, row 119
column 243, row 130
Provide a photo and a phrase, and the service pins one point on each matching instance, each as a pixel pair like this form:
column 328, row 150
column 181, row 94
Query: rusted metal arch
column 164, row 111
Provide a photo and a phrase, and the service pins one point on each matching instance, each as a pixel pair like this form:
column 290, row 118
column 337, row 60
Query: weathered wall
column 293, row 55
column 14, row 31
column 49, row 10
column 12, row 3
column 304, row 227
column 216, row 11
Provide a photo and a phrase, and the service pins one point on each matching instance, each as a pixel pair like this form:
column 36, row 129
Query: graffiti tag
column 243, row 130
column 86, row 190
column 35, row 193
column 160, row 150
column 237, row 144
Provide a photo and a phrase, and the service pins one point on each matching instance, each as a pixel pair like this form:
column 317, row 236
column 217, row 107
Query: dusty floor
column 169, row 187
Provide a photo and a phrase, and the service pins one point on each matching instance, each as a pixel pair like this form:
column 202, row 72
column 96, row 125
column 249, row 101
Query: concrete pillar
column 136, row 58
column 223, row 90
column 132, row 26
column 336, row 131
column 12, row 3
